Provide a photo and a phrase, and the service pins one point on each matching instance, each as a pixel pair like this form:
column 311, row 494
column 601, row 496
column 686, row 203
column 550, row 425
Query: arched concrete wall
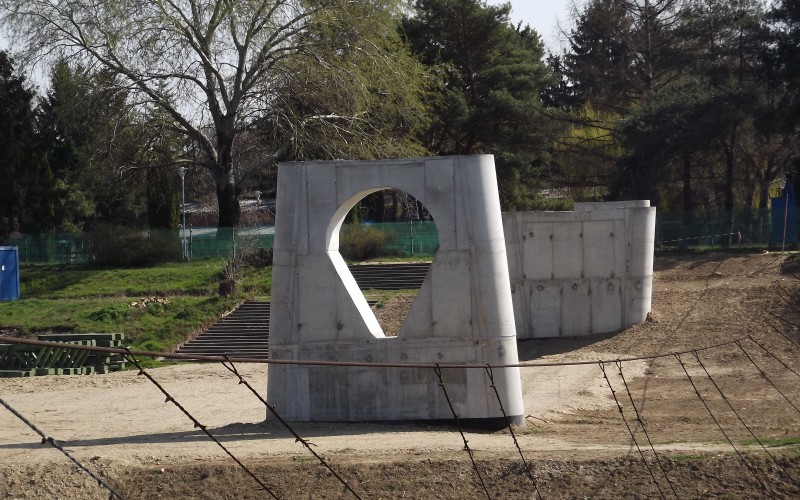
column 581, row 273
column 462, row 314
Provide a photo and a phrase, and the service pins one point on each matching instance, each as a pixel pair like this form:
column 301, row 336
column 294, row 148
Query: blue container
column 9, row 273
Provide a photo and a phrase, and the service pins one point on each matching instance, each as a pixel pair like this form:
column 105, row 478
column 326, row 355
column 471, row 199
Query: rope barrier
column 644, row 429
column 300, row 362
column 630, row 431
column 510, row 428
column 130, row 357
column 719, row 426
column 438, row 371
column 730, row 405
column 298, row 439
column 699, row 237
column 52, row 442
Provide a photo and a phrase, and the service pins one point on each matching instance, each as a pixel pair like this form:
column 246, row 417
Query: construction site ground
column 576, row 441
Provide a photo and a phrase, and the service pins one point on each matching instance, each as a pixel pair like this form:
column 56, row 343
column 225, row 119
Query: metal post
column 182, row 173
column 411, row 228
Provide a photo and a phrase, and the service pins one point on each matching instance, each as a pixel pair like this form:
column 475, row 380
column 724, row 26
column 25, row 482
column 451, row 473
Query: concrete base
column 462, row 314
column 581, row 273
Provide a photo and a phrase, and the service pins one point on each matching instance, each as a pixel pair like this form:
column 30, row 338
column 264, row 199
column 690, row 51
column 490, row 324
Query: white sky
column 544, row 16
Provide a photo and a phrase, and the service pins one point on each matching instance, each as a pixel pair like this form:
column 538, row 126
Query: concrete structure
column 584, row 272
column 462, row 314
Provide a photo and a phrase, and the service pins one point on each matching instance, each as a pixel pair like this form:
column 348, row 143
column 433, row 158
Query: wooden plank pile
column 18, row 360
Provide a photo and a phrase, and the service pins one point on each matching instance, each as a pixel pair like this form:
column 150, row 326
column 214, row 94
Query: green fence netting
column 411, row 238
column 757, row 228
column 719, row 229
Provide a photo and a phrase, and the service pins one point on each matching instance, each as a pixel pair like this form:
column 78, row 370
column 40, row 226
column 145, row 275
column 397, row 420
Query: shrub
column 117, row 246
column 360, row 242
column 109, row 314
column 260, row 257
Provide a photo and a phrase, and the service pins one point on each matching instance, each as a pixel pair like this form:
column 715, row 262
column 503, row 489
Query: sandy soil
column 576, row 441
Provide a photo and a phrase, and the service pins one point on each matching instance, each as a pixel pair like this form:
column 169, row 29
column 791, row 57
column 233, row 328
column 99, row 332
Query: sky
column 543, row 15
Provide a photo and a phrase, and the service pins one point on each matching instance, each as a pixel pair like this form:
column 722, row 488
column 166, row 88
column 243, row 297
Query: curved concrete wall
column 580, row 273
column 462, row 314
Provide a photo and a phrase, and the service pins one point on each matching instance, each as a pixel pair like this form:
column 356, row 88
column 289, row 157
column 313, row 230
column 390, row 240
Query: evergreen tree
column 490, row 101
column 26, row 187
column 784, row 23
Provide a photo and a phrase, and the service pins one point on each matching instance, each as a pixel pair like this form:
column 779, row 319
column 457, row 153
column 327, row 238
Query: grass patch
column 83, row 299
column 70, row 282
column 774, row 442
column 149, row 328
column 397, row 259
column 381, row 297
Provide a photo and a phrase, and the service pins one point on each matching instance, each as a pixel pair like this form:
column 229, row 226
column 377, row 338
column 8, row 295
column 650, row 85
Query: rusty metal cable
column 764, row 375
column 438, row 371
column 528, row 467
column 55, row 444
column 130, row 357
column 630, row 431
column 232, row 368
column 778, row 330
column 644, row 429
column 719, row 426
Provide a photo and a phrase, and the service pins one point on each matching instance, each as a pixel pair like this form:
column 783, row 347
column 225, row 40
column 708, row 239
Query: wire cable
column 630, row 431
column 510, row 427
column 197, row 424
column 232, row 368
column 644, row 429
column 719, row 426
column 55, row 444
column 438, row 371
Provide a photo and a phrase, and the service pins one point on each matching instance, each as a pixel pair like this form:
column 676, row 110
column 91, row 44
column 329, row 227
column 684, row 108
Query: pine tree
column 493, row 77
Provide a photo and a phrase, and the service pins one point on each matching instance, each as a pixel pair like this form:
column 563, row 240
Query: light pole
column 182, row 173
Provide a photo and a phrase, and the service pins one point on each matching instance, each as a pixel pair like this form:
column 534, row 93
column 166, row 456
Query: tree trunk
column 227, row 197
column 688, row 206
column 730, row 160
column 227, row 200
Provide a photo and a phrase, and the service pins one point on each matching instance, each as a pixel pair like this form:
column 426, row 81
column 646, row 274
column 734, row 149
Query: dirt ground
column 576, row 442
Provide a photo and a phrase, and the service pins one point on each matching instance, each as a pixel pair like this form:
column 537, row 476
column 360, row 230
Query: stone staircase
column 390, row 276
column 245, row 331
column 242, row 333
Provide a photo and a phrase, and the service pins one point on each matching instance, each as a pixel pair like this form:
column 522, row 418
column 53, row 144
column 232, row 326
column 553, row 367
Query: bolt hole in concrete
column 392, row 227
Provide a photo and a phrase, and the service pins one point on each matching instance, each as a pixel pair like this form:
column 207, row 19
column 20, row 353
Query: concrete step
column 245, row 331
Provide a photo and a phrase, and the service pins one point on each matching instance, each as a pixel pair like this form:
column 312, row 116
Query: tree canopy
column 693, row 104
column 212, row 66
column 493, row 76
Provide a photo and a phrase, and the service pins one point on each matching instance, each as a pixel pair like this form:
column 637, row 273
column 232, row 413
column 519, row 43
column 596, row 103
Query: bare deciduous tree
column 214, row 65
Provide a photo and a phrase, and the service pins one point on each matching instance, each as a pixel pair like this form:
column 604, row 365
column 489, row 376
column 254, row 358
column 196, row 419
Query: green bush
column 109, row 314
column 118, row 246
column 360, row 242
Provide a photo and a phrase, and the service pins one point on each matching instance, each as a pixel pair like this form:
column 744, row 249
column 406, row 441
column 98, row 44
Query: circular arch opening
column 389, row 238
